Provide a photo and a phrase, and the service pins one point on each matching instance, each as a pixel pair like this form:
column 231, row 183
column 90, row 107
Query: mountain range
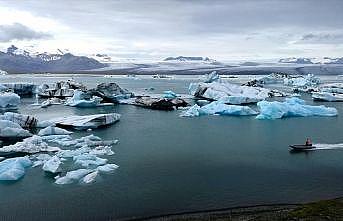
column 20, row 60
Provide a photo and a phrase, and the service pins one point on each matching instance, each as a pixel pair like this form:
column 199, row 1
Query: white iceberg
column 78, row 100
column 302, row 81
column 88, row 121
column 9, row 129
column 234, row 94
column 217, row 107
column 212, row 77
column 14, row 168
column 9, row 100
column 87, row 160
column 292, row 107
column 90, row 178
column 34, row 144
column 73, row 176
column 332, row 88
column 327, row 96
column 107, row 168
column 53, row 131
column 52, row 165
column 23, row 120
column 2, row 72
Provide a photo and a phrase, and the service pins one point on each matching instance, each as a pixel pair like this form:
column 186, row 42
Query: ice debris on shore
column 292, row 107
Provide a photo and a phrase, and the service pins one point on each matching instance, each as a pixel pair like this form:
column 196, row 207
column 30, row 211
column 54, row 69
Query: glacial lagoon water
column 171, row 164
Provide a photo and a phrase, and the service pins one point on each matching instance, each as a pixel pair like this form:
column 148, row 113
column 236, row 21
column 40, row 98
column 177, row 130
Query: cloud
column 321, row 38
column 17, row 31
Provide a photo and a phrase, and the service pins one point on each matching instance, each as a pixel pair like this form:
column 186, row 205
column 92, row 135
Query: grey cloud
column 17, row 31
column 321, row 38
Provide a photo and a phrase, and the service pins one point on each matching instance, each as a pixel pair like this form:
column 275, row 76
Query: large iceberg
column 24, row 121
column 9, row 129
column 88, row 121
column 217, row 107
column 302, row 81
column 21, row 88
column 110, row 92
column 292, row 107
column 61, row 89
column 14, row 168
column 234, row 94
column 9, row 100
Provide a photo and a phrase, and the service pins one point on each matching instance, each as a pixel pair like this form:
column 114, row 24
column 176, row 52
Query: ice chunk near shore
column 9, row 129
column 234, row 94
column 88, row 121
column 53, row 131
column 9, row 100
column 292, row 107
column 217, row 107
column 34, row 144
column 14, row 168
column 52, row 165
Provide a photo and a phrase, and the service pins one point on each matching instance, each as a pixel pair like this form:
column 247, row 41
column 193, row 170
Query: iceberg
column 53, row 131
column 9, row 100
column 327, row 96
column 234, row 94
column 79, row 100
column 169, row 94
column 24, row 121
column 2, row 72
column 9, row 129
column 73, row 176
column 302, row 81
column 212, row 77
column 110, row 92
column 34, row 144
column 88, row 121
column 107, row 168
column 217, row 107
column 61, row 89
column 87, row 160
column 21, row 88
column 52, row 165
column 14, row 168
column 292, row 107
column 90, row 178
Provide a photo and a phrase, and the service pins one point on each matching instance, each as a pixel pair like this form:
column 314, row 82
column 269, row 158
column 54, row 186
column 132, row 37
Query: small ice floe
column 90, row 178
column 14, row 168
column 52, row 165
column 88, row 121
column 218, row 108
column 51, row 130
column 9, row 100
column 79, row 99
column 169, row 94
column 11, row 130
column 73, row 176
column 329, row 92
column 212, row 77
column 292, row 107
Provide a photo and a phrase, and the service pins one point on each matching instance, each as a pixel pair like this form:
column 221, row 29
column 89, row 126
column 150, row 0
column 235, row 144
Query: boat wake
column 323, row 146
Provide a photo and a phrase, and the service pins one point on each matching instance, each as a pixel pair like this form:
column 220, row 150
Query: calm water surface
column 171, row 164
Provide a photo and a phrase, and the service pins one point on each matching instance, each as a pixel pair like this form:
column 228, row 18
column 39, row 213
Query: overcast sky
column 154, row 29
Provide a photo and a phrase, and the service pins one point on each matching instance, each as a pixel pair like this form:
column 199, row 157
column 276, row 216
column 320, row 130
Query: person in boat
column 308, row 142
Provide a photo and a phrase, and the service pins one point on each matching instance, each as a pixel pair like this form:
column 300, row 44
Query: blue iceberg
column 169, row 94
column 14, row 168
column 217, row 107
column 292, row 107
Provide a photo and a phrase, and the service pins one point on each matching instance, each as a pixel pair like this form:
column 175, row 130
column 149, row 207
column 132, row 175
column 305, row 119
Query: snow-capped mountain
column 103, row 58
column 29, row 60
column 324, row 60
